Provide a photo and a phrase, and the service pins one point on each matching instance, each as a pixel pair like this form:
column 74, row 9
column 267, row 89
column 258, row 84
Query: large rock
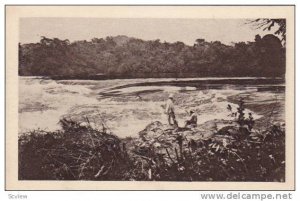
column 162, row 140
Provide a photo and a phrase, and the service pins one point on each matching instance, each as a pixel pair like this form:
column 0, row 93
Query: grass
column 82, row 153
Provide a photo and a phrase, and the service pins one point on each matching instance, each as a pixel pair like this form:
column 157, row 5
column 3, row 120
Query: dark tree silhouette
column 126, row 57
column 268, row 24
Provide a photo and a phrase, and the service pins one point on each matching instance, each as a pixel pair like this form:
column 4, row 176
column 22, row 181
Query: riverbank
column 160, row 152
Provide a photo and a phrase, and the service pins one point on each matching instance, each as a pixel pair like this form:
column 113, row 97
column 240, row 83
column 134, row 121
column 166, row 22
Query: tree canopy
column 126, row 57
column 268, row 24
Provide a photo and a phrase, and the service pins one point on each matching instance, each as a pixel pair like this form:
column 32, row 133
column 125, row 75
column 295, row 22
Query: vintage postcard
column 150, row 98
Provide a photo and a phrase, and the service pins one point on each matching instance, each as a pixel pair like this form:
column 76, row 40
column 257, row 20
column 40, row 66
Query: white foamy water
column 43, row 102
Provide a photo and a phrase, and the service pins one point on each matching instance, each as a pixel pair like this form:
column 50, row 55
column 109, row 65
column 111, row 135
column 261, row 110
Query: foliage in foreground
column 75, row 153
column 257, row 157
column 82, row 153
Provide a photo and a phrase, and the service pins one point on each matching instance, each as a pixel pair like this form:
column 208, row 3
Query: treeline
column 125, row 57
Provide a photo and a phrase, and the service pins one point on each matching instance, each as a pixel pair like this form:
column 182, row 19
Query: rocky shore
column 213, row 151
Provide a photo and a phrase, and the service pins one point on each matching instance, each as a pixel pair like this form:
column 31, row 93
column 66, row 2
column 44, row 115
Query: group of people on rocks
column 170, row 111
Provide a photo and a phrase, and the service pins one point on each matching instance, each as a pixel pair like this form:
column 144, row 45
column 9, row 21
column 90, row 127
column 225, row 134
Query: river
column 126, row 106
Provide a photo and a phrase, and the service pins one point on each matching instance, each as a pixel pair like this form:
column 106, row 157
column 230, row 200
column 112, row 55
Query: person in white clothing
column 170, row 110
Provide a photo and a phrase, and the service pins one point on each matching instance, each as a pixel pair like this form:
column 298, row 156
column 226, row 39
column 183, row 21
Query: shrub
column 72, row 154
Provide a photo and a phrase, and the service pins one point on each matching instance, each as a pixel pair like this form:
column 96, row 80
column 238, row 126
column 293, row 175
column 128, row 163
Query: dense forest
column 127, row 57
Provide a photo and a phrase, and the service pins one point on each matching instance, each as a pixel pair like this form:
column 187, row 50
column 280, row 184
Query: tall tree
column 268, row 24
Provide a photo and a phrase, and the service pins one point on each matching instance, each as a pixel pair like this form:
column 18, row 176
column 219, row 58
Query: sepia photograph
column 153, row 99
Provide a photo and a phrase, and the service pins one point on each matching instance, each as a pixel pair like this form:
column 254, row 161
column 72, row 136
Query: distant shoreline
column 95, row 77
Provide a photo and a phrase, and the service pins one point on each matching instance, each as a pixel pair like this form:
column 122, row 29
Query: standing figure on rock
column 170, row 110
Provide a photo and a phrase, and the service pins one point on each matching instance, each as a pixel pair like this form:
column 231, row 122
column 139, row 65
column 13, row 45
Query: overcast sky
column 170, row 30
